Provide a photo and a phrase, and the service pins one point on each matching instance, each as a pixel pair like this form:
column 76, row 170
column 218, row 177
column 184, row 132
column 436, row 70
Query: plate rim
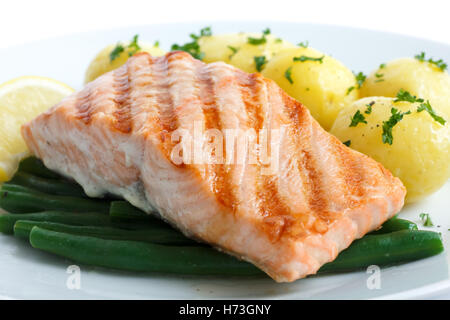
column 426, row 291
column 223, row 22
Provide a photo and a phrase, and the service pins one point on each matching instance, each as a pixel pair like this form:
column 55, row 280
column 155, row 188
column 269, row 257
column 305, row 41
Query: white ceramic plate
column 27, row 273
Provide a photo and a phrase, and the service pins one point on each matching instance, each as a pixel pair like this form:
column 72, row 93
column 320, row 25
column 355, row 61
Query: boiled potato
column 102, row 62
column 420, row 150
column 234, row 49
column 217, row 47
column 244, row 58
column 421, row 79
column 321, row 87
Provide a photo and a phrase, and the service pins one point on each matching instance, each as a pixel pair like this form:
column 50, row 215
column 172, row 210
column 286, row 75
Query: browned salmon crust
column 115, row 136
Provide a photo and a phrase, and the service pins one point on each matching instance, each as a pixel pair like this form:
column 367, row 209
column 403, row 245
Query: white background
column 23, row 21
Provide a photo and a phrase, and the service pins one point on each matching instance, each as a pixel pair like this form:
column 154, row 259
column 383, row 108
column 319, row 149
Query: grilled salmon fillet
column 116, row 136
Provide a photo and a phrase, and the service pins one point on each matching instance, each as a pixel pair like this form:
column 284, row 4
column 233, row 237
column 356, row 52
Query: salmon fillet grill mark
column 115, row 136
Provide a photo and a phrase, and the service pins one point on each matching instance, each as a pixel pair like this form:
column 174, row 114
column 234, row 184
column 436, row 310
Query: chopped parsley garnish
column 395, row 118
column 260, row 61
column 358, row 117
column 156, row 44
column 233, row 50
column 206, row 32
column 266, row 31
column 427, row 107
column 382, row 66
column 369, row 107
column 306, row 58
column 288, row 75
column 350, row 89
column 379, row 77
column 132, row 48
column 193, row 48
column 360, row 78
column 115, row 53
column 258, row 41
column 438, row 63
column 420, row 57
column 403, row 95
column 347, row 143
column 425, row 217
column 304, row 44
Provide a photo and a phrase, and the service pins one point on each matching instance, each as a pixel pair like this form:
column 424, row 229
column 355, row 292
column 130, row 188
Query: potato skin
column 420, row 152
column 421, row 79
column 102, row 64
column 321, row 87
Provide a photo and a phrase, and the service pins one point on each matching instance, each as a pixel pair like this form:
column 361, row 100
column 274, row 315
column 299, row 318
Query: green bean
column 395, row 224
column 46, row 185
column 381, row 250
column 19, row 199
column 387, row 249
column 139, row 256
column 124, row 211
column 7, row 221
column 36, row 167
column 22, row 229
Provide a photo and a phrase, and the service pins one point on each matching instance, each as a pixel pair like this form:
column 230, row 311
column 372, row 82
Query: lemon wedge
column 21, row 100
